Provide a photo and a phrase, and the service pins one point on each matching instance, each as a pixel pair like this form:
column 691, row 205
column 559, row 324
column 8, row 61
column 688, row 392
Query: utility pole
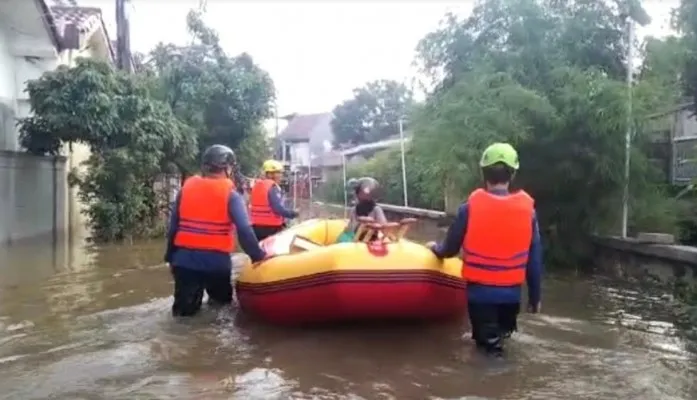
column 275, row 112
column 123, row 37
column 404, row 168
column 630, row 120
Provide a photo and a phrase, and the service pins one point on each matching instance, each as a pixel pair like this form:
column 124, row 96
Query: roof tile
column 87, row 20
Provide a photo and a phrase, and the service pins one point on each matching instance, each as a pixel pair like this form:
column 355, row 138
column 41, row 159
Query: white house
column 36, row 36
column 306, row 138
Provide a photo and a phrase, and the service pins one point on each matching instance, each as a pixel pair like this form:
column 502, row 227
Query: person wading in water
column 497, row 231
column 207, row 212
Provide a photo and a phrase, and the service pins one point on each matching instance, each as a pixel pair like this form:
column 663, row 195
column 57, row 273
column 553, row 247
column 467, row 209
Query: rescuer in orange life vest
column 207, row 212
column 500, row 240
column 266, row 202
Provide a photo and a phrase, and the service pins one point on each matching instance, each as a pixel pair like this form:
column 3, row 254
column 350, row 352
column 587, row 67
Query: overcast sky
column 316, row 52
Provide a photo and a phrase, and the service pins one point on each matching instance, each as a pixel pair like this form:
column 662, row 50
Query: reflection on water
column 81, row 323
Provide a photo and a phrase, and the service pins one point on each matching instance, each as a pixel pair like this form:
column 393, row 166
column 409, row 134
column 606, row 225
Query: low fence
column 430, row 225
column 392, row 211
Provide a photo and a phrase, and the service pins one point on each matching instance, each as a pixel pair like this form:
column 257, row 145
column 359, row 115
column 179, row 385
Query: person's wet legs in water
column 500, row 240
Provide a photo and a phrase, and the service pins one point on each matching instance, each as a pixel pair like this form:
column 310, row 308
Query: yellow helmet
column 272, row 166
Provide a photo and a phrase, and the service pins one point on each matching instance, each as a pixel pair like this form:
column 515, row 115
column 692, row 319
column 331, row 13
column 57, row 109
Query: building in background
column 306, row 138
column 673, row 143
column 301, row 145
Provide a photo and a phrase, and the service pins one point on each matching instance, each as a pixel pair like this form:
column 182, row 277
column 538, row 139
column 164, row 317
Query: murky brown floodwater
column 80, row 323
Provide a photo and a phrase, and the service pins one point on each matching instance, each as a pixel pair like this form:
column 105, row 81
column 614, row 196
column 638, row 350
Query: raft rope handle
column 404, row 226
column 362, row 227
column 372, row 229
column 389, row 232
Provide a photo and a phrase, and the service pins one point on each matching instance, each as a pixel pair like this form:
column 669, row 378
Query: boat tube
column 312, row 279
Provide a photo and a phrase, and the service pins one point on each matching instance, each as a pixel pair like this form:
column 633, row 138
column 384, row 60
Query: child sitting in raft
column 365, row 191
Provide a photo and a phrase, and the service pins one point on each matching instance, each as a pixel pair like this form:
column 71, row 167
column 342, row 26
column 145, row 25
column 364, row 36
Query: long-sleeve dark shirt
column 452, row 244
column 276, row 203
column 212, row 260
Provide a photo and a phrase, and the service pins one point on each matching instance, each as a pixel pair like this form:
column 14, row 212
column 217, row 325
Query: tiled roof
column 49, row 24
column 87, row 20
column 300, row 127
column 62, row 3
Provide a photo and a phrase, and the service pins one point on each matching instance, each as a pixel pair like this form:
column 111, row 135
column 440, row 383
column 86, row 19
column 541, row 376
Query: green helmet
column 500, row 153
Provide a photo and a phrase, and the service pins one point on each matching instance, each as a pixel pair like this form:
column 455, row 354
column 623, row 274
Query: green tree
column 516, row 71
column 661, row 72
column 685, row 22
column 372, row 114
column 223, row 99
column 132, row 139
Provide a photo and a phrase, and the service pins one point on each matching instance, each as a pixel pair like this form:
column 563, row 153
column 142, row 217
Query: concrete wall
column 631, row 258
column 26, row 55
column 32, row 196
column 7, row 92
column 300, row 154
column 78, row 153
column 33, row 190
column 29, row 69
column 321, row 136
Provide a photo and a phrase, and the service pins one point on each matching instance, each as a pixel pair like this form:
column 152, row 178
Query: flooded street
column 79, row 323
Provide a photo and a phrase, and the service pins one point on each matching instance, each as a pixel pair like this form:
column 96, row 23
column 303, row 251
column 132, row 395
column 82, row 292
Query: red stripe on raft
column 352, row 295
column 354, row 276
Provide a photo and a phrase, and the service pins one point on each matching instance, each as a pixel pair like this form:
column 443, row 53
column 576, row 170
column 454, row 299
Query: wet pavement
column 94, row 323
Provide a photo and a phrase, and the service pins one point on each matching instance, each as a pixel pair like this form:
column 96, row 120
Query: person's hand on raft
column 431, row 245
column 267, row 257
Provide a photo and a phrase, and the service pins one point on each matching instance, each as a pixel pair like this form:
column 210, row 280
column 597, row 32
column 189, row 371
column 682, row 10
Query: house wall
column 321, row 136
column 300, row 154
column 76, row 153
column 29, row 184
column 684, row 148
column 7, row 90
column 686, row 124
column 32, row 189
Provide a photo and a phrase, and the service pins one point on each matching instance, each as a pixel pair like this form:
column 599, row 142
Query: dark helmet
column 367, row 187
column 218, row 157
column 351, row 184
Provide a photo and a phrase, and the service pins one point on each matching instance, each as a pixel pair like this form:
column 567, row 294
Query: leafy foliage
column 516, row 71
column 685, row 21
column 139, row 127
column 372, row 114
column 224, row 99
column 661, row 72
column 130, row 135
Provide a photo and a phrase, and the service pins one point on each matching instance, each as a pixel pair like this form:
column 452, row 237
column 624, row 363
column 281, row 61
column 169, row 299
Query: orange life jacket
column 497, row 242
column 260, row 211
column 204, row 221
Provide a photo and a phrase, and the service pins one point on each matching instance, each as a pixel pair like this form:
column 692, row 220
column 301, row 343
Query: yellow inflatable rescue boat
column 311, row 278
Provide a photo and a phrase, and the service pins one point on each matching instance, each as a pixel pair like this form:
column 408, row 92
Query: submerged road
column 94, row 323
